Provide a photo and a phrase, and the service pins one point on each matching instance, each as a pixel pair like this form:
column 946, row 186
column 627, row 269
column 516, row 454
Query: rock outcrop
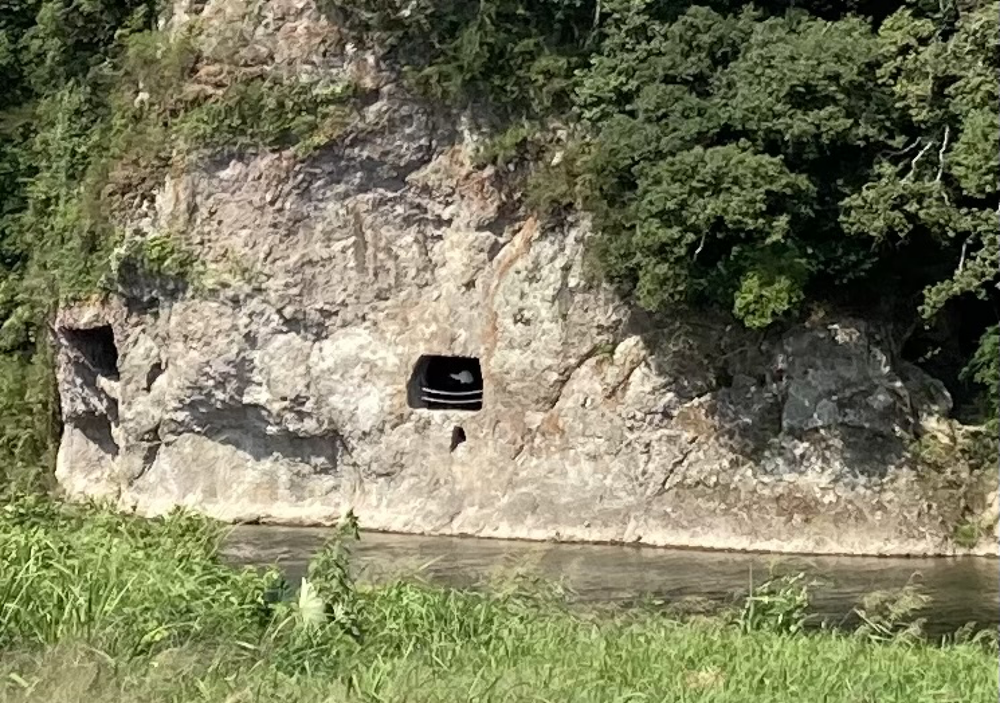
column 281, row 392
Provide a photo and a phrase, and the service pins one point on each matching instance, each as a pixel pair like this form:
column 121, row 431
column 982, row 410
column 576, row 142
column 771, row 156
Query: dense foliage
column 764, row 158
column 101, row 607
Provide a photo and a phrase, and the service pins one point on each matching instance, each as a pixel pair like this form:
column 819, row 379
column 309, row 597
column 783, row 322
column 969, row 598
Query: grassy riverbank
column 103, row 608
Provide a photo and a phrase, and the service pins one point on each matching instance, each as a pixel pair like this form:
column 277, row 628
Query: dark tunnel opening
column 446, row 383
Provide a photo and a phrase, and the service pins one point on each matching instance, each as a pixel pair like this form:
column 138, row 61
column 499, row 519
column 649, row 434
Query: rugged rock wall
column 281, row 393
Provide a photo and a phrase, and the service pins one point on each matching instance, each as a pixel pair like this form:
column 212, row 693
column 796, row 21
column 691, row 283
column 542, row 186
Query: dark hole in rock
column 155, row 371
column 723, row 378
column 457, row 437
column 97, row 428
column 446, row 383
column 97, row 347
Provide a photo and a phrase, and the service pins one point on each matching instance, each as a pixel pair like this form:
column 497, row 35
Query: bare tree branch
column 944, row 146
column 961, row 259
column 701, row 245
column 907, row 149
column 916, row 159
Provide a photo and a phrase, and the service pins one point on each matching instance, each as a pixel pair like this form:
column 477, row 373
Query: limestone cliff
column 283, row 392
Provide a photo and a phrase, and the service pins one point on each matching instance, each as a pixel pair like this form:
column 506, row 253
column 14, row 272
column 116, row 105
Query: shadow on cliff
column 144, row 290
column 730, row 384
column 97, row 429
column 253, row 430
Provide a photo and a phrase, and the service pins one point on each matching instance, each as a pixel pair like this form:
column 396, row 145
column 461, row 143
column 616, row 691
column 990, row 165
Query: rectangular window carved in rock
column 446, row 383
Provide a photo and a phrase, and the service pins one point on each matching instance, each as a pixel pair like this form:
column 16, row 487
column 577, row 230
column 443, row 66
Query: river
column 962, row 589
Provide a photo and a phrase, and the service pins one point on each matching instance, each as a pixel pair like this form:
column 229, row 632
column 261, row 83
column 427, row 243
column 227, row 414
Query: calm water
column 965, row 589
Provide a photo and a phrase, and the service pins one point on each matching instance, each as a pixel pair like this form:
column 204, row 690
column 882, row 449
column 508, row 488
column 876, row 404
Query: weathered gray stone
column 281, row 396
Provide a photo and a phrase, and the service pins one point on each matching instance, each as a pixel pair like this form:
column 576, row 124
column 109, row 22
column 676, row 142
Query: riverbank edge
column 852, row 541
column 694, row 548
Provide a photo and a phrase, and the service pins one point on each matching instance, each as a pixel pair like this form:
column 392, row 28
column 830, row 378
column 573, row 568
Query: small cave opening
column 95, row 360
column 96, row 345
column 723, row 377
column 457, row 437
column 446, row 383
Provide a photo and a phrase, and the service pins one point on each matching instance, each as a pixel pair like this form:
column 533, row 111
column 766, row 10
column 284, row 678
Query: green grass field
column 103, row 608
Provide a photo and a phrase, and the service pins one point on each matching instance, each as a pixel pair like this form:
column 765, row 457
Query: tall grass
column 78, row 572
column 103, row 608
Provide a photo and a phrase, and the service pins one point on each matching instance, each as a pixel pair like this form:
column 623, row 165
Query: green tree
column 723, row 146
column 943, row 187
column 516, row 56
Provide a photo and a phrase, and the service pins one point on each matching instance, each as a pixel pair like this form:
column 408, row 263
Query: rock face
column 281, row 392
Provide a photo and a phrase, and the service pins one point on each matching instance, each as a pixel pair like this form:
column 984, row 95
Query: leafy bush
column 516, row 56
column 330, row 578
column 984, row 369
column 778, row 605
column 265, row 112
column 890, row 615
column 156, row 256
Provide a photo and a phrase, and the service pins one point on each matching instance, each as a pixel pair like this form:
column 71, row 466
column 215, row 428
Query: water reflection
column 962, row 590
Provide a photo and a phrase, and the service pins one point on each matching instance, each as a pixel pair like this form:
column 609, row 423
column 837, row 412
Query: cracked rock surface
column 280, row 395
